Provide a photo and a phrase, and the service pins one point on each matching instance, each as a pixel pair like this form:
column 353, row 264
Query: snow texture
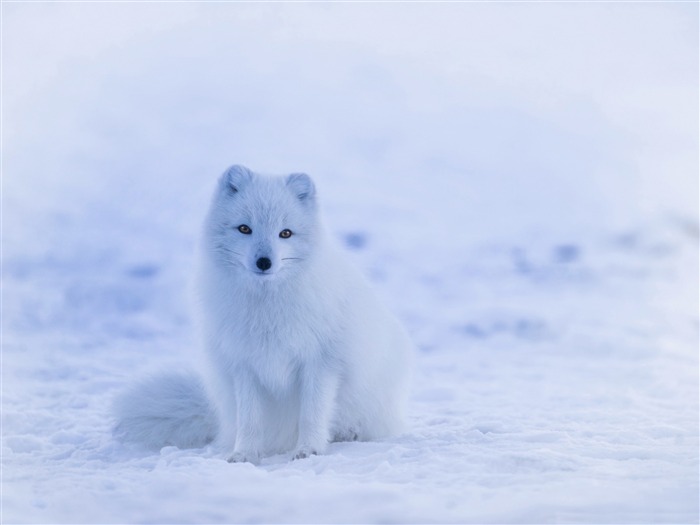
column 518, row 180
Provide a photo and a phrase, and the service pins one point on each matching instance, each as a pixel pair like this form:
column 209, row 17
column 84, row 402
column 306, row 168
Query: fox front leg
column 249, row 414
column 319, row 386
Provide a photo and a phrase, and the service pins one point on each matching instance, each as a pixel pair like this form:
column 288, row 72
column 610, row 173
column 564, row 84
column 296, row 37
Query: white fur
column 169, row 409
column 302, row 353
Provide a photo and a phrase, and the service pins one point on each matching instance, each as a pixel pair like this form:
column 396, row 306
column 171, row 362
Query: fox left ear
column 236, row 177
column 302, row 186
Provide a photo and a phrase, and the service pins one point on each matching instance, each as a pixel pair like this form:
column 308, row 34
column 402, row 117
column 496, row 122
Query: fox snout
column 263, row 263
column 263, row 259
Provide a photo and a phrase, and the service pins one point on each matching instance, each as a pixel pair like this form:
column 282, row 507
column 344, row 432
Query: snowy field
column 518, row 180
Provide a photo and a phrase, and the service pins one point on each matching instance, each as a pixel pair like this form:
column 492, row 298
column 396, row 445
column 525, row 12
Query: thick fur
column 164, row 410
column 300, row 353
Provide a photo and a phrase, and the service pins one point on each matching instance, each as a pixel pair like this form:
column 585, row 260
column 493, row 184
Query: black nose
column 263, row 263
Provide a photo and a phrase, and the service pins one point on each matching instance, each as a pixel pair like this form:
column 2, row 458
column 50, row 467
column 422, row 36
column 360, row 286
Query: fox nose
column 263, row 263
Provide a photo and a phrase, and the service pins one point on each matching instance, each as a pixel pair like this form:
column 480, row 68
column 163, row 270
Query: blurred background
column 456, row 122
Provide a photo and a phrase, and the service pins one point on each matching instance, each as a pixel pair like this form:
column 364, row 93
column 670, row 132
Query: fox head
column 263, row 226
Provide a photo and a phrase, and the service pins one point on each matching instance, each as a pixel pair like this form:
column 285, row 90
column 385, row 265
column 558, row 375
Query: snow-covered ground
column 519, row 180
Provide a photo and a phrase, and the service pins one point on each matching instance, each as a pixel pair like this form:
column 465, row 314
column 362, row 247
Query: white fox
column 299, row 350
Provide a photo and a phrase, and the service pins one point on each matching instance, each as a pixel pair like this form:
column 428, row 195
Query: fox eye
column 244, row 228
column 286, row 234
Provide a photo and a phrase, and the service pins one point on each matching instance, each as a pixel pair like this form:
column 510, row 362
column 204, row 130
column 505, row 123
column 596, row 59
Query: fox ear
column 302, row 186
column 235, row 178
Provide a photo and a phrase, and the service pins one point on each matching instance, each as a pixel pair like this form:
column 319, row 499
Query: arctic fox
column 299, row 350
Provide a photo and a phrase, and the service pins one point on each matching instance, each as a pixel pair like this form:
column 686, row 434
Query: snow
column 519, row 181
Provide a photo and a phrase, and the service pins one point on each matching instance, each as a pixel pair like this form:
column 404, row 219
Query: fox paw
column 304, row 452
column 244, row 457
column 348, row 434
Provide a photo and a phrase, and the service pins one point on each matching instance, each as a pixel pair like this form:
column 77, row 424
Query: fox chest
column 275, row 341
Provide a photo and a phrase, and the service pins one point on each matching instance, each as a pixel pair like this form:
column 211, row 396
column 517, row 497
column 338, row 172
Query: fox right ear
column 302, row 186
column 235, row 178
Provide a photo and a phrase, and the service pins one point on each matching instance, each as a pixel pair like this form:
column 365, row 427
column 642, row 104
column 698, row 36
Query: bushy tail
column 164, row 410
